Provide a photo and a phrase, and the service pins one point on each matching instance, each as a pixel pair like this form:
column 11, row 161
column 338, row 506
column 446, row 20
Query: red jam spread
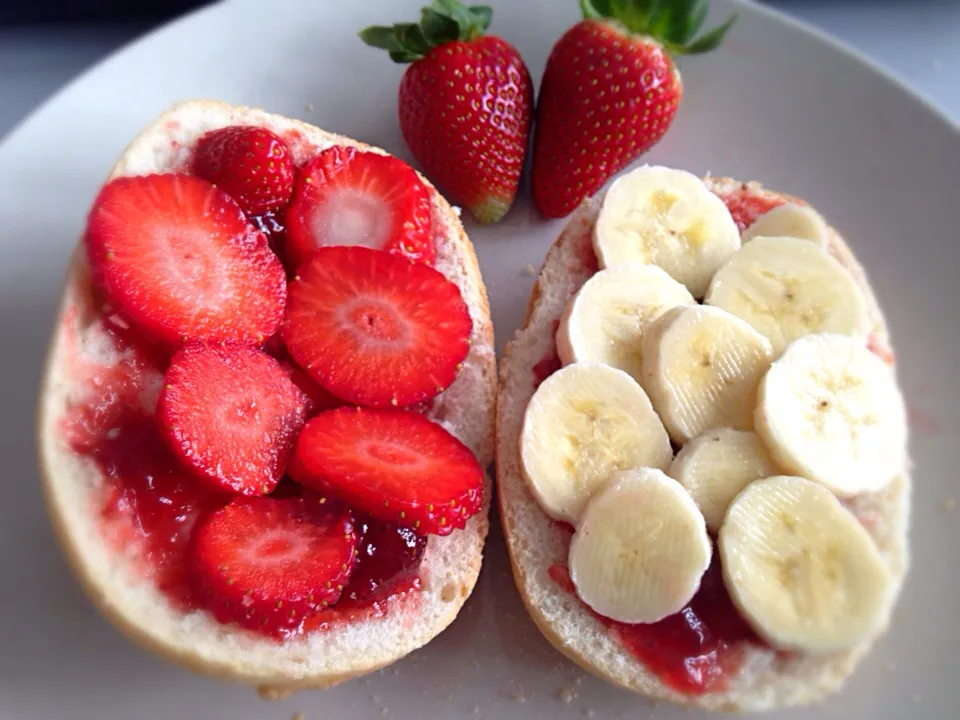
column 746, row 205
column 150, row 503
column 549, row 363
column 547, row 366
column 694, row 651
column 271, row 225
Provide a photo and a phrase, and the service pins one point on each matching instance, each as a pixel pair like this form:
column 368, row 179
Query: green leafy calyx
column 673, row 23
column 441, row 22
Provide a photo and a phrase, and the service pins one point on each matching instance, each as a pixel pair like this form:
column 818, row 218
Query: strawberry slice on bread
column 375, row 329
column 237, row 570
column 345, row 196
column 269, row 564
column 177, row 258
column 395, row 465
column 231, row 414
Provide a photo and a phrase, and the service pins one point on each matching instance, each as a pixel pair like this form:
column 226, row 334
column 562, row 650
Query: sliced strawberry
column 177, row 258
column 251, row 163
column 375, row 329
column 318, row 399
column 231, row 414
column 345, row 196
column 269, row 564
column 396, row 465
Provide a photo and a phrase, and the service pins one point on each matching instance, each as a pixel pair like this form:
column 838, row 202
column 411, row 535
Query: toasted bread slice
column 73, row 485
column 535, row 542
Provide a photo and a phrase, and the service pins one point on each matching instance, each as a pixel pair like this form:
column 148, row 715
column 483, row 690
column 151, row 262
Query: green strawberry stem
column 673, row 23
column 441, row 22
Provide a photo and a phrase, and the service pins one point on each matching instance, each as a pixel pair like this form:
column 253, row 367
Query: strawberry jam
column 389, row 558
column 150, row 502
column 693, row 651
column 549, row 363
column 746, row 205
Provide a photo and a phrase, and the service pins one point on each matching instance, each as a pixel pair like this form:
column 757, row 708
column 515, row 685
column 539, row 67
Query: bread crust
column 768, row 680
column 71, row 483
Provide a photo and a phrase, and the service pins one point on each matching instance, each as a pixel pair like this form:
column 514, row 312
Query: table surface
column 917, row 40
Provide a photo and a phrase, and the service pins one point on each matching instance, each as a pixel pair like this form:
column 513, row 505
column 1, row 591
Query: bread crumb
column 566, row 695
column 375, row 699
column 518, row 697
column 530, row 270
column 949, row 503
column 396, row 671
column 299, row 716
column 309, row 107
column 476, row 664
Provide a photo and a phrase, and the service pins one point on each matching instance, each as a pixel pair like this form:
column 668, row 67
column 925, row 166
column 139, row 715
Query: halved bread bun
column 73, row 485
column 535, row 542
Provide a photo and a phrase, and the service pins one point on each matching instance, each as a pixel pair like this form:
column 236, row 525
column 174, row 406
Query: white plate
column 778, row 103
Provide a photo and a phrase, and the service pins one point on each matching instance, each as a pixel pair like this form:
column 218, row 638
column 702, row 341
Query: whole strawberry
column 465, row 104
column 610, row 91
column 252, row 164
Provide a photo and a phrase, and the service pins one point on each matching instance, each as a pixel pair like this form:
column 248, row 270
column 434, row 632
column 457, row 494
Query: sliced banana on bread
column 756, row 566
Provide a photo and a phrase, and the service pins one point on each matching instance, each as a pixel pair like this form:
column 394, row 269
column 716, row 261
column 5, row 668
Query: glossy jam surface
column 694, row 651
column 746, row 205
column 388, row 562
column 271, row 225
column 386, row 575
column 150, row 503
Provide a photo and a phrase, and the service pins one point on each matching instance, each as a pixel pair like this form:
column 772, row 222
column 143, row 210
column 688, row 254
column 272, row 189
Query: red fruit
column 375, row 329
column 317, row 398
column 250, row 163
column 465, row 104
column 610, row 91
column 177, row 258
column 388, row 562
column 393, row 464
column 269, row 564
column 231, row 415
column 346, row 196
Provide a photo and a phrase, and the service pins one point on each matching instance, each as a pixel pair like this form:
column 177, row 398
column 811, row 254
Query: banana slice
column 801, row 568
column 604, row 322
column 830, row 410
column 717, row 465
column 787, row 288
column 701, row 368
column 666, row 217
column 790, row 220
column 584, row 423
column 641, row 548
